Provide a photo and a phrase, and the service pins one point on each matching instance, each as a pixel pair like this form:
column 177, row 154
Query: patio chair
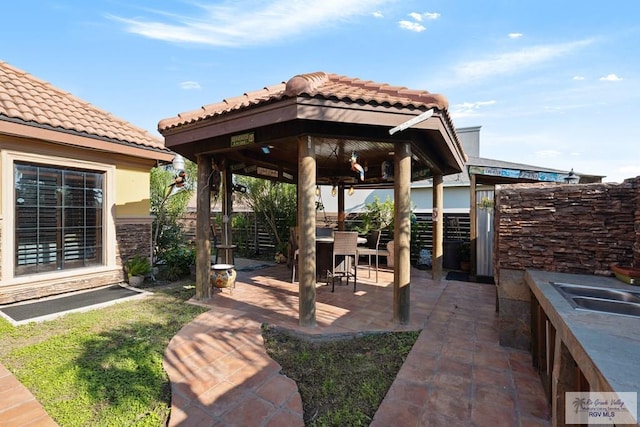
column 345, row 248
column 373, row 249
column 324, row 232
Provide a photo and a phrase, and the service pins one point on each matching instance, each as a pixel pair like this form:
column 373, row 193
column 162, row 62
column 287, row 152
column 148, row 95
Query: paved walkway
column 18, row 407
column 456, row 373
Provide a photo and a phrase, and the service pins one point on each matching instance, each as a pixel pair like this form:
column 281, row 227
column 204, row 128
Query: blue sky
column 551, row 83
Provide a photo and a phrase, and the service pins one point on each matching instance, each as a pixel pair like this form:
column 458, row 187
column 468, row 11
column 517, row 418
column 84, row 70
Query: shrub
column 464, row 251
column 138, row 265
column 377, row 216
column 176, row 261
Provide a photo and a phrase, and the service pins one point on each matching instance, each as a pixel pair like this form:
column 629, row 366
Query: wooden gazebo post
column 307, row 231
column 438, row 227
column 227, row 211
column 203, row 238
column 341, row 214
column 473, row 217
column 402, row 232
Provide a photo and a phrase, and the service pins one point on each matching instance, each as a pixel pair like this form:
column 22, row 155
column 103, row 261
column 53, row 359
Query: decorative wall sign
column 420, row 173
column 242, row 139
column 517, row 174
column 267, row 172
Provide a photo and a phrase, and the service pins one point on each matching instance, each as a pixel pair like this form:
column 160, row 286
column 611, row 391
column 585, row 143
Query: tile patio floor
column 455, row 375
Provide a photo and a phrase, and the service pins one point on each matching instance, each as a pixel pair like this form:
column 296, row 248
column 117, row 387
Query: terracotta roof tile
column 316, row 85
column 34, row 101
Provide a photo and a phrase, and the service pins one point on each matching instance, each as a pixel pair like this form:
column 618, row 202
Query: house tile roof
column 318, row 85
column 27, row 99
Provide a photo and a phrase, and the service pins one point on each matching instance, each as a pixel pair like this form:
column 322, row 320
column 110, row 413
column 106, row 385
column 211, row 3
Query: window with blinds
column 58, row 218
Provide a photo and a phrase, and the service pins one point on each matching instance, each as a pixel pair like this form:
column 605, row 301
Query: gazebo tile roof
column 26, row 98
column 319, row 85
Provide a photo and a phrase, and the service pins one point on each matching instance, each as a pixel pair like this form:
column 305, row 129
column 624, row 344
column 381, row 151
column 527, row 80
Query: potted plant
column 137, row 267
column 464, row 256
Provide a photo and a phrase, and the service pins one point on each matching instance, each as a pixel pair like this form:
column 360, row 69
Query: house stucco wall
column 132, row 190
column 564, row 228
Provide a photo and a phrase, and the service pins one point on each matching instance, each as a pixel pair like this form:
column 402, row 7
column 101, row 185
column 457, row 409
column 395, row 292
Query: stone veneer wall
column 579, row 228
column 133, row 239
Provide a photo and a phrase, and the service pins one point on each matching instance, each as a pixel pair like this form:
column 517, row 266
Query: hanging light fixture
column 181, row 176
column 178, row 162
column 334, row 191
column 351, row 190
column 317, row 190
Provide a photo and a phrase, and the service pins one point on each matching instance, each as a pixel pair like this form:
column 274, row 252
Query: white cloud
column 512, row 62
column 189, row 85
column 515, row 35
column 234, row 23
column 412, row 26
column 431, row 16
column 611, row 78
column 469, row 109
column 378, row 14
column 578, row 77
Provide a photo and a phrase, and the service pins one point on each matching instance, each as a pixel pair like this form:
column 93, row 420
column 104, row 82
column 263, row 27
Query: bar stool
column 228, row 253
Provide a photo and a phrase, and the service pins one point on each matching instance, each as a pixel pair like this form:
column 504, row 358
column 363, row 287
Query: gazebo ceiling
column 258, row 133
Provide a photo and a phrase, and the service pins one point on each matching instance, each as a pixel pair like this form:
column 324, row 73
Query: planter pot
column 390, row 247
column 626, row 274
column 223, row 276
column 136, row 280
column 465, row 266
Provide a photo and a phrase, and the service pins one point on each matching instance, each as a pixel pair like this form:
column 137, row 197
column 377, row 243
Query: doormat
column 50, row 308
column 461, row 276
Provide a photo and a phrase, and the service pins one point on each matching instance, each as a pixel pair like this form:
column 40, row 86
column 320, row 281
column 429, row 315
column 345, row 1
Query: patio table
column 324, row 254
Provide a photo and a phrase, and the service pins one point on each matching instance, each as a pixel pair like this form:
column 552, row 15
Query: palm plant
column 274, row 204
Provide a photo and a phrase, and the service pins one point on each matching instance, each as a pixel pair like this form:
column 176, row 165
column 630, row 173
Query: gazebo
column 321, row 129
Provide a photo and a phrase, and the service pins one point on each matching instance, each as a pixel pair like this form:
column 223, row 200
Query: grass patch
column 103, row 367
column 341, row 382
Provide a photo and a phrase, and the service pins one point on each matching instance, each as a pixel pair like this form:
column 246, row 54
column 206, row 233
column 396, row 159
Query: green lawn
column 104, row 367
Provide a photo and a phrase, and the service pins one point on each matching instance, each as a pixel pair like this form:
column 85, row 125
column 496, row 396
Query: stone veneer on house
column 568, row 228
column 133, row 239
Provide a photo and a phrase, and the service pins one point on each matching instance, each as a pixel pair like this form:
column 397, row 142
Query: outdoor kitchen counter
column 605, row 347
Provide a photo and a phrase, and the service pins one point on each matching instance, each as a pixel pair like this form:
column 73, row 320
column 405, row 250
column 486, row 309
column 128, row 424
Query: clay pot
column 223, row 276
column 626, row 274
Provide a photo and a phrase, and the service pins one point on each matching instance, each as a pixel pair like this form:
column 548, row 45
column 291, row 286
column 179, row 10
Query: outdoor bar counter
column 581, row 350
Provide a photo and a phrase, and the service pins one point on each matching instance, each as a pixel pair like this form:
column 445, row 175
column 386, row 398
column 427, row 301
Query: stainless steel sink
column 609, row 306
column 605, row 300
